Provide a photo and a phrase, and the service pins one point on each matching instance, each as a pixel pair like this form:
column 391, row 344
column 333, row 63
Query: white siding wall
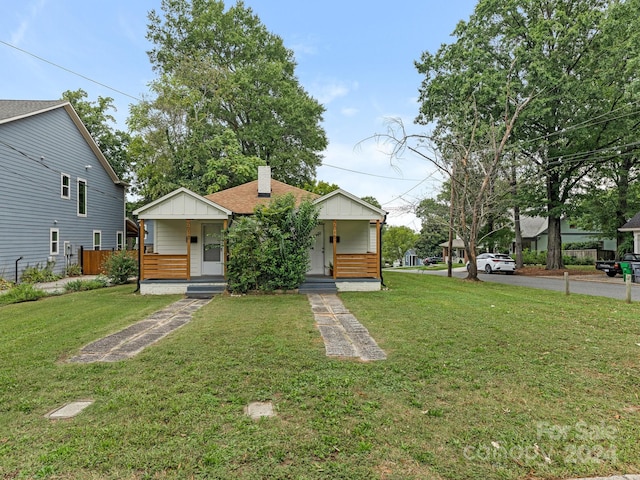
column 354, row 237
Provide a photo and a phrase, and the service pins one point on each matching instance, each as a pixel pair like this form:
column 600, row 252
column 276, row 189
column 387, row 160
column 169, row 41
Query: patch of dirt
column 543, row 272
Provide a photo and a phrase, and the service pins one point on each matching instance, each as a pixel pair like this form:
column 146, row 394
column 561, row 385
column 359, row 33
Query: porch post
column 141, row 249
column 379, row 253
column 224, row 256
column 335, row 249
column 188, row 249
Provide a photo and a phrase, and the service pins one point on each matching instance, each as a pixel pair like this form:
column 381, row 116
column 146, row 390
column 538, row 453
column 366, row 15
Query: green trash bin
column 626, row 270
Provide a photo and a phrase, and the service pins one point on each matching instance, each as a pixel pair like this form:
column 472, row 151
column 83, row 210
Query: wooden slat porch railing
column 162, row 267
column 356, row 265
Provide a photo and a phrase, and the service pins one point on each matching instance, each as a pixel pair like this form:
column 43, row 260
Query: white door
column 317, row 252
column 212, row 249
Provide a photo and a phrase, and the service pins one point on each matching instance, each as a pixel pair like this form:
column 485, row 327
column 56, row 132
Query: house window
column 97, row 239
column 54, row 241
column 65, row 186
column 119, row 240
column 82, row 198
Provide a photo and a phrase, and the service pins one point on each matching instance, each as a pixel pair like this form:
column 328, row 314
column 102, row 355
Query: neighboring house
column 58, row 192
column 188, row 243
column 411, row 258
column 457, row 246
column 535, row 234
column 633, row 226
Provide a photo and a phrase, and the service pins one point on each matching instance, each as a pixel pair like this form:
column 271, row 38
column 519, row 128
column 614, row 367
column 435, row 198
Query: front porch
column 216, row 284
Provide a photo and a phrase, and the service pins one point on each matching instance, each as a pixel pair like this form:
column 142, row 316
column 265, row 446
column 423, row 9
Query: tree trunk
column 554, row 246
column 516, row 219
column 518, row 231
column 622, row 204
column 554, row 242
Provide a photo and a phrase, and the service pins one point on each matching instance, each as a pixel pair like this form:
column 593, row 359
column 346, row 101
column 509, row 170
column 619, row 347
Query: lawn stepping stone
column 69, row 410
column 342, row 333
column 257, row 410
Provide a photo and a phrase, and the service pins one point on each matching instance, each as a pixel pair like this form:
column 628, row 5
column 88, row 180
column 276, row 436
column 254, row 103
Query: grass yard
column 482, row 381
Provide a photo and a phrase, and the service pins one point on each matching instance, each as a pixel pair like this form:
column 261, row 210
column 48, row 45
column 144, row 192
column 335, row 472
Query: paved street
column 601, row 286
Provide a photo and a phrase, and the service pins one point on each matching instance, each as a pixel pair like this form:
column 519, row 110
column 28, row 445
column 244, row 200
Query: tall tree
column 396, row 241
column 221, row 71
column 95, row 115
column 555, row 51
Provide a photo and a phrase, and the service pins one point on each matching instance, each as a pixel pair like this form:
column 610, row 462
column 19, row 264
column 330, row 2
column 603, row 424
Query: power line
column 70, row 71
column 370, row 174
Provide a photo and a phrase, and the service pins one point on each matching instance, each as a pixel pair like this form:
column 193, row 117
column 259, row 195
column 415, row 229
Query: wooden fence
column 93, row 260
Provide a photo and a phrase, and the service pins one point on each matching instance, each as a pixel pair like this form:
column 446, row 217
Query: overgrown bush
column 83, row 285
column 24, row 292
column 40, row 274
column 534, row 258
column 270, row 251
column 73, row 270
column 120, row 266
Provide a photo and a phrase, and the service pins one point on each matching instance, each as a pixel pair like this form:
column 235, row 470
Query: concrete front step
column 318, row 287
column 205, row 291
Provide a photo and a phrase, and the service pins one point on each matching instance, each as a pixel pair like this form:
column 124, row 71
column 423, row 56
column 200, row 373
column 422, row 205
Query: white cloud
column 33, row 11
column 349, row 112
column 327, row 91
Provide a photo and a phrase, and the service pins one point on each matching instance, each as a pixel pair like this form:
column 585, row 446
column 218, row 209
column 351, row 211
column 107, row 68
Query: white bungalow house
column 189, row 246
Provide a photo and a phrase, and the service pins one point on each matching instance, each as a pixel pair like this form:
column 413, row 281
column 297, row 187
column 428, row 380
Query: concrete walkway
column 132, row 340
column 343, row 335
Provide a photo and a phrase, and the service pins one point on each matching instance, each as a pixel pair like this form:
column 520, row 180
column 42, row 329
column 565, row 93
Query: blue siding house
column 58, row 193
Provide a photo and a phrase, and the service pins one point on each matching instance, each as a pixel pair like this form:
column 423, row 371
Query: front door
column 317, row 252
column 212, row 249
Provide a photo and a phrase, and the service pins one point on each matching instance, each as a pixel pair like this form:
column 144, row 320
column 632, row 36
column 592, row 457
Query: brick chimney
column 264, row 182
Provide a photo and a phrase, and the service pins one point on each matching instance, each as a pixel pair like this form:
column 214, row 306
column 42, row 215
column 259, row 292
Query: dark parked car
column 432, row 260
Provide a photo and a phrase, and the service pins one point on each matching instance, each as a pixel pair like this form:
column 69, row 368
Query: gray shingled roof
column 19, row 108
column 633, row 224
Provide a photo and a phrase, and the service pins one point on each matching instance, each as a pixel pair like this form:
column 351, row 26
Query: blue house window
column 54, row 241
column 119, row 240
column 97, row 239
column 65, row 186
column 82, row 198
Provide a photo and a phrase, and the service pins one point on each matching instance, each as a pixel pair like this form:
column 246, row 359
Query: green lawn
column 482, row 381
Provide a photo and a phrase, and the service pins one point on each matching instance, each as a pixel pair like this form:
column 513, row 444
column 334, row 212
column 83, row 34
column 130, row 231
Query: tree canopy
column 225, row 100
column 100, row 123
column 574, row 61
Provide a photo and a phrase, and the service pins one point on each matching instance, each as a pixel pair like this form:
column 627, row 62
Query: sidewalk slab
column 131, row 340
column 69, row 410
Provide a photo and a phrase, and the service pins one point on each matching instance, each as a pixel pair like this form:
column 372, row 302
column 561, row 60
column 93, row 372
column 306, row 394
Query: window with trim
column 97, row 239
column 82, row 198
column 65, row 186
column 54, row 241
column 119, row 240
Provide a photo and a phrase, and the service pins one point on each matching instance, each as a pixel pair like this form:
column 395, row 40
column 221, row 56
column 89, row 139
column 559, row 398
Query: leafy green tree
column 371, row 201
column 221, row 71
column 113, row 143
column 574, row 60
column 270, row 250
column 320, row 187
column 434, row 216
column 396, row 241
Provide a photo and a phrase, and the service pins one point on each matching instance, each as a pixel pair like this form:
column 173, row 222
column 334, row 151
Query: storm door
column 212, row 249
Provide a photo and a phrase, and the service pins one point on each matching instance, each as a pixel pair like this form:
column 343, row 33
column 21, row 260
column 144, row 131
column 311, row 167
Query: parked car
column 495, row 262
column 432, row 260
column 614, row 267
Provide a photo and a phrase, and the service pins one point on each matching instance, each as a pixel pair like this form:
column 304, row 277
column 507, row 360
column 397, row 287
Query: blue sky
column 355, row 57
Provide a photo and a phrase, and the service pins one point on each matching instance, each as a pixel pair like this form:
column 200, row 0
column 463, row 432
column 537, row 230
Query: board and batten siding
column 35, row 151
column 354, row 236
